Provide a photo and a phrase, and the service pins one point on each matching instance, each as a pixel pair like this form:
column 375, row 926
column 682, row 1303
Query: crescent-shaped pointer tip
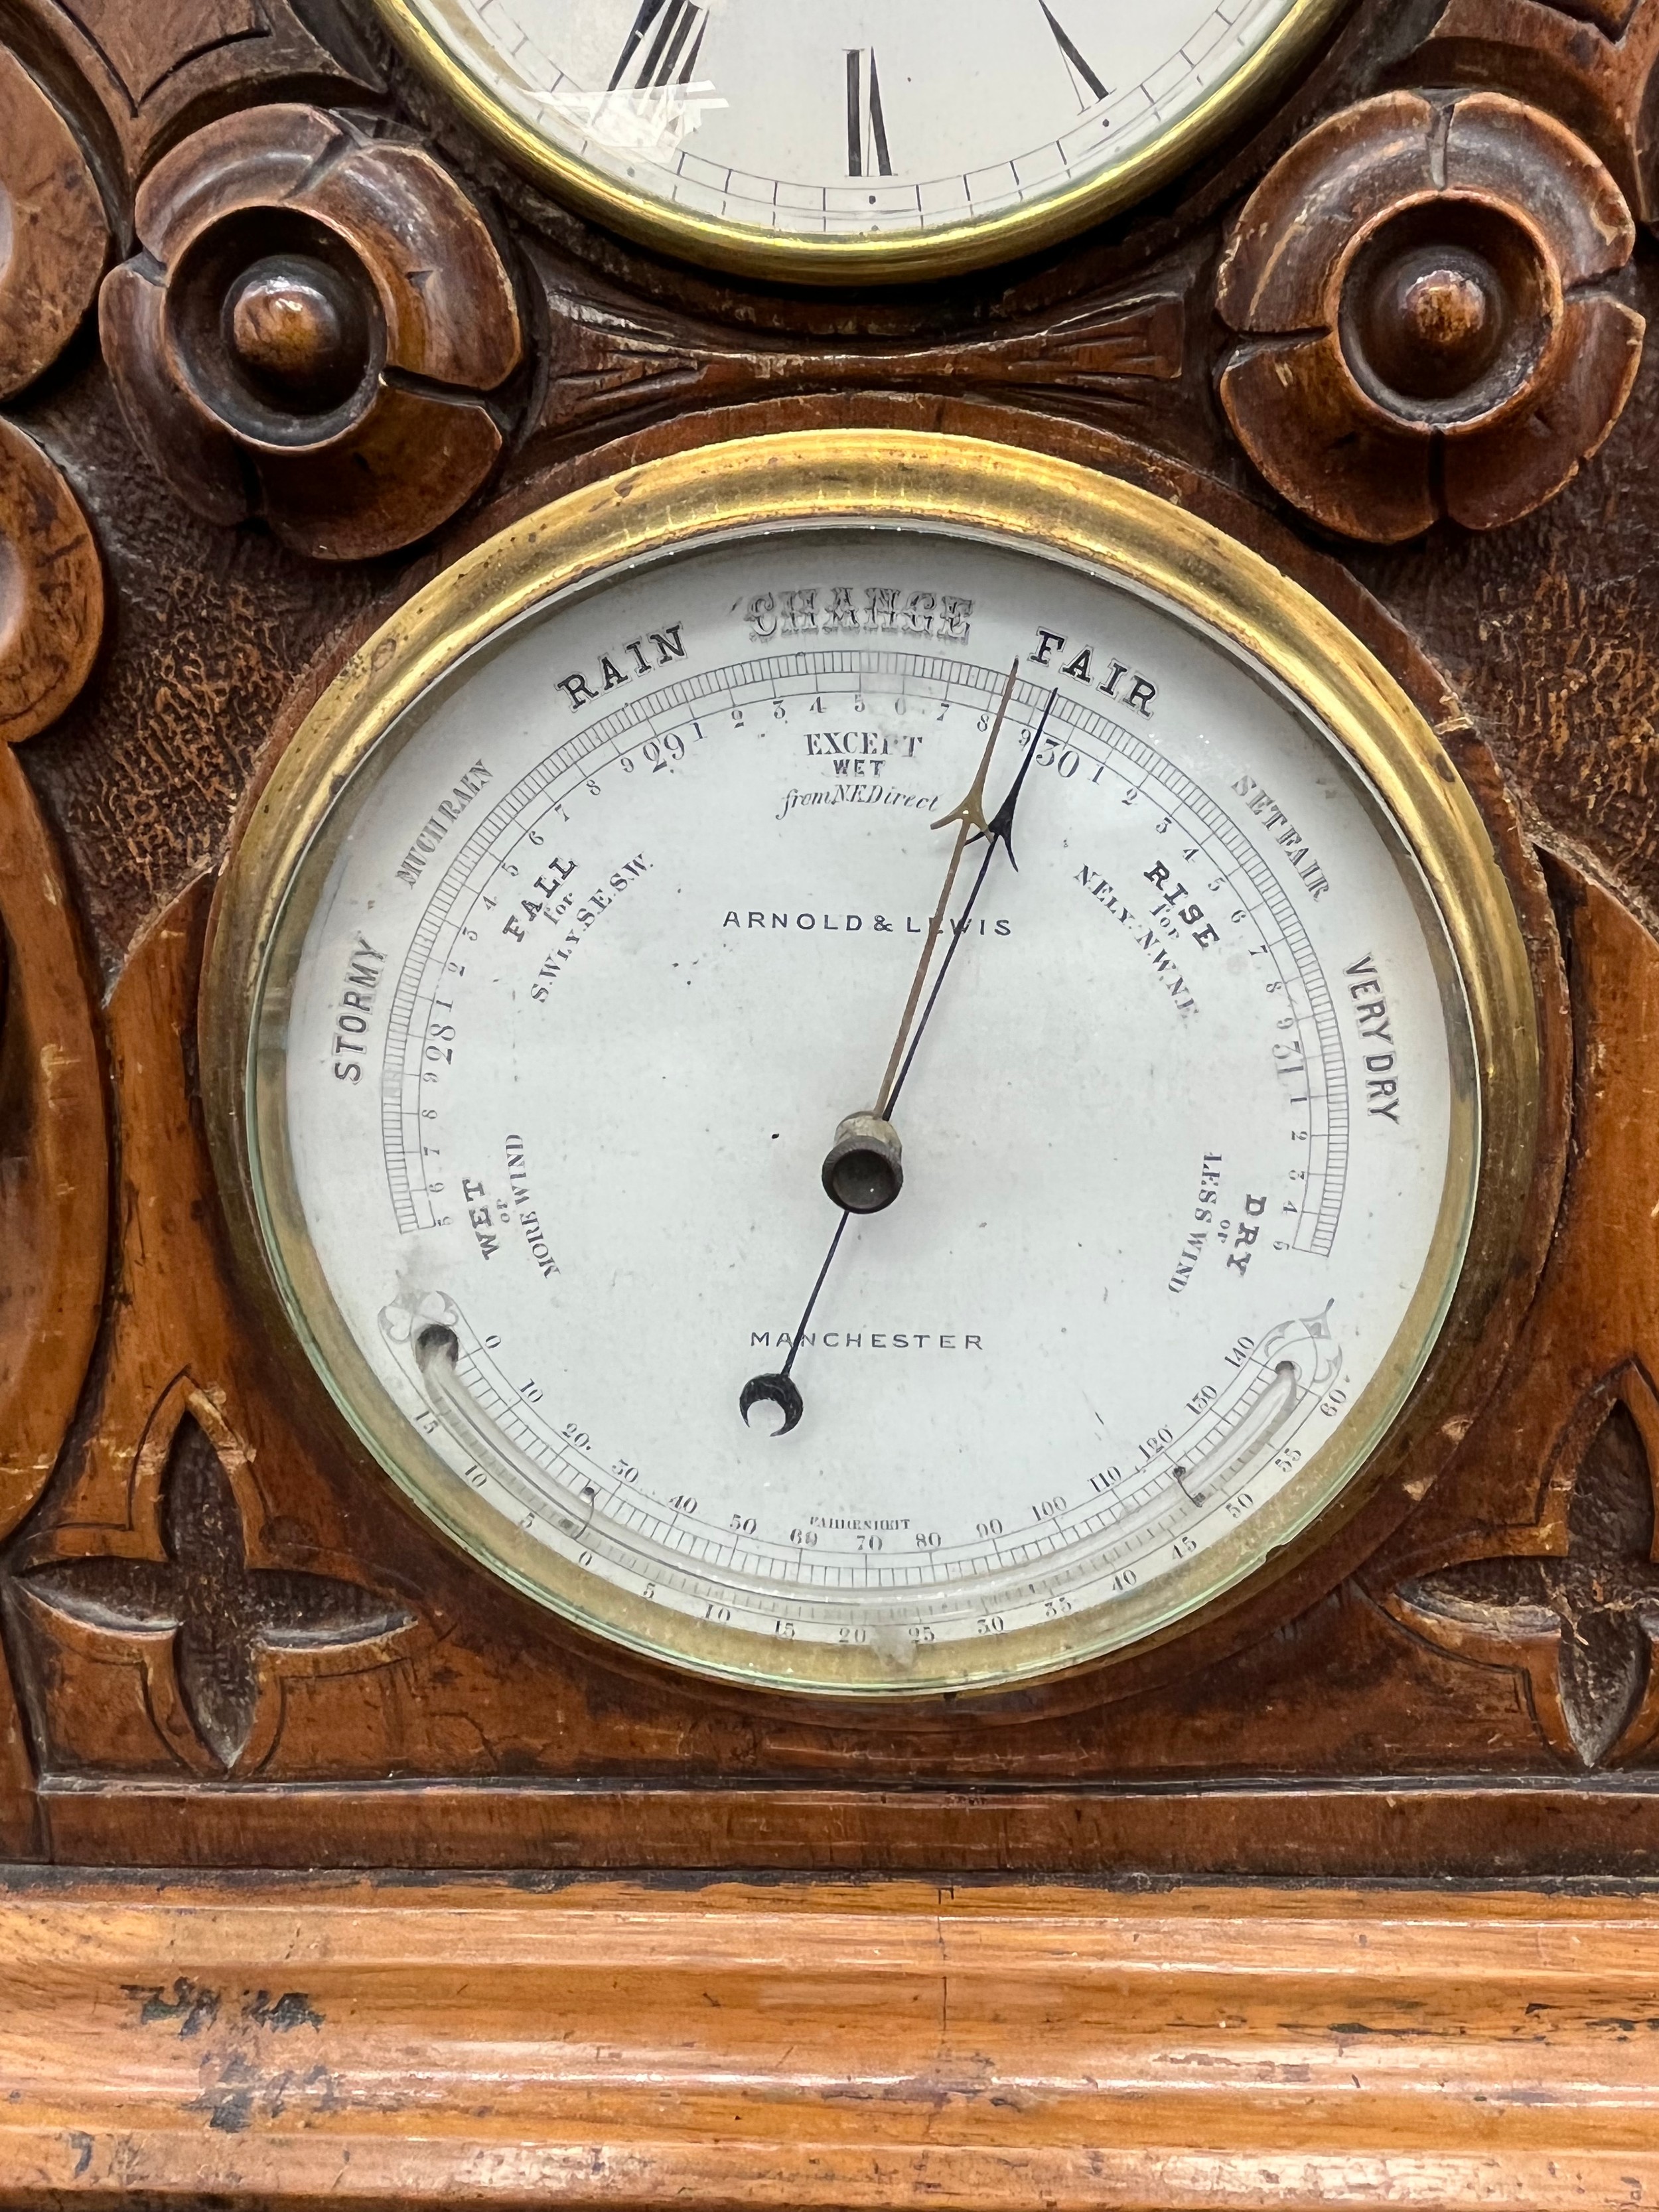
column 772, row 1390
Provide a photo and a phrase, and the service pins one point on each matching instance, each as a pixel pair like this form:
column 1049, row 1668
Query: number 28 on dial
column 857, row 1082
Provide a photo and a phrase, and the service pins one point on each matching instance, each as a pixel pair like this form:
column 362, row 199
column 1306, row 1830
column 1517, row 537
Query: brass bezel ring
column 968, row 487
column 747, row 251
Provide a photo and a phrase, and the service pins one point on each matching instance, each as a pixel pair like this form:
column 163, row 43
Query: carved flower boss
column 310, row 330
column 1416, row 281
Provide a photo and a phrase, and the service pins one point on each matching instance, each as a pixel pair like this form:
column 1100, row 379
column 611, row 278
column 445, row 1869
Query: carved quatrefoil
column 1573, row 1606
column 205, row 1612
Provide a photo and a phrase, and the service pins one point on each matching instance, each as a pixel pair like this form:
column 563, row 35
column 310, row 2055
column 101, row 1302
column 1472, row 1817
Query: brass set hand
column 863, row 1170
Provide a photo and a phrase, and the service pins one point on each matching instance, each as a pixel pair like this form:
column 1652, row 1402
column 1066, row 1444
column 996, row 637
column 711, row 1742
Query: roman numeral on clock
column 1070, row 53
column 866, row 127
column 671, row 55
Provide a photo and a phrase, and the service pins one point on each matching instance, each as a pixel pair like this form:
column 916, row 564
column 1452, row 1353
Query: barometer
column 853, row 141
column 871, row 1063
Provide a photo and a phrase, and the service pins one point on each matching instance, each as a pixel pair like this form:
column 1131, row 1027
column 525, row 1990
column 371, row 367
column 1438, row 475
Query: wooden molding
column 1292, row 1828
column 727, row 2045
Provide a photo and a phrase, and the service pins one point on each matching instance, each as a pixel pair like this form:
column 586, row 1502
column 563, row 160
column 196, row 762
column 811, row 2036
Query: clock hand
column 862, row 1169
column 780, row 1389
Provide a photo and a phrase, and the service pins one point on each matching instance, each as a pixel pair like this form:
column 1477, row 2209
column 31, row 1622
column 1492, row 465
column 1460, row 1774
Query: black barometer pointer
column 780, row 1389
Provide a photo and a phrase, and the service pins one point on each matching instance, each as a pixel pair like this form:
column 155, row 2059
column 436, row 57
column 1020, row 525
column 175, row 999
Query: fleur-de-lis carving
column 1574, row 1607
column 220, row 1613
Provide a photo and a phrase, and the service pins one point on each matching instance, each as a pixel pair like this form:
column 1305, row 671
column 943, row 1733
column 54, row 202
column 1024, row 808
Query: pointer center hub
column 863, row 1169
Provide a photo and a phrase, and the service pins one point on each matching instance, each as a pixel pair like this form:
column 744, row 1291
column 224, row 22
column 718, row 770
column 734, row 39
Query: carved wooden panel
column 192, row 1576
column 1537, row 1561
column 1393, row 338
column 610, row 359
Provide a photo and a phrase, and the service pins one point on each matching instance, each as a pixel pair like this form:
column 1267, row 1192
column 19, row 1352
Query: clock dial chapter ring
column 1341, row 1361
column 624, row 135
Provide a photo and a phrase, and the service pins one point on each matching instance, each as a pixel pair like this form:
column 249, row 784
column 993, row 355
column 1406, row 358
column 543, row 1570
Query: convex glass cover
column 852, row 140
column 857, row 776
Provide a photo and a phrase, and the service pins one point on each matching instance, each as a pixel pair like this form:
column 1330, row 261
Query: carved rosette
column 311, row 331
column 1419, row 284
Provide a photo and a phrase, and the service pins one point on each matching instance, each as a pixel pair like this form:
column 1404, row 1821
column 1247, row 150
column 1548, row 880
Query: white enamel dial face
column 626, row 924
column 852, row 119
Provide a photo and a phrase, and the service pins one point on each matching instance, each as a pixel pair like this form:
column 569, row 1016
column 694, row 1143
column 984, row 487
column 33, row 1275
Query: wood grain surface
column 578, row 1752
column 1391, row 335
column 824, row 2048
column 226, row 1641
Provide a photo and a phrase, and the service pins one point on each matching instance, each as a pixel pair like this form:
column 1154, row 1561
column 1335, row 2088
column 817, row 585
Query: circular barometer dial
column 871, row 1063
column 853, row 141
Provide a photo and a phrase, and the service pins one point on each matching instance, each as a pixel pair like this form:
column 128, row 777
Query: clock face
column 853, row 139
column 582, row 954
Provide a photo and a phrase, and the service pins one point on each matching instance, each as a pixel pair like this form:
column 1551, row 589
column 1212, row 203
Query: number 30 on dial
column 851, row 141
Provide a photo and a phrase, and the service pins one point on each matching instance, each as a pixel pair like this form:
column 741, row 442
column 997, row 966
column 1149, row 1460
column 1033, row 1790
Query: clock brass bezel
column 967, row 487
column 745, row 250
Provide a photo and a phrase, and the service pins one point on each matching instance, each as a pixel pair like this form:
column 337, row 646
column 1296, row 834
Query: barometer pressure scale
column 853, row 141
column 872, row 1064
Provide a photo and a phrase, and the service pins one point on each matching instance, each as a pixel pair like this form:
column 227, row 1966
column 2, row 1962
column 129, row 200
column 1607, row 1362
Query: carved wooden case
column 278, row 336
